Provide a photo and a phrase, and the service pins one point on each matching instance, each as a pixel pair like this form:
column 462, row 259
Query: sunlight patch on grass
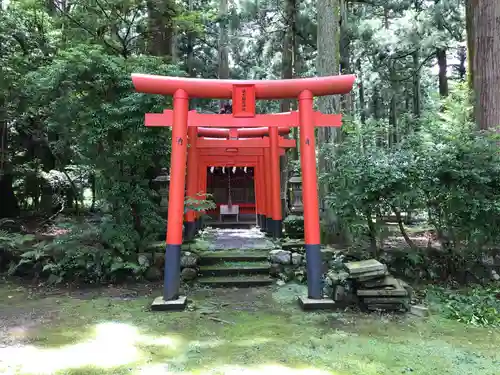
column 113, row 345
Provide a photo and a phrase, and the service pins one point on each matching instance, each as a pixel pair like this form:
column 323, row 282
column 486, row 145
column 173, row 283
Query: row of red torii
column 245, row 139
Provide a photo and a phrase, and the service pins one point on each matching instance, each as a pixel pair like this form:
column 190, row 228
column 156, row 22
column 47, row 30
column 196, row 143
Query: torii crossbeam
column 244, row 95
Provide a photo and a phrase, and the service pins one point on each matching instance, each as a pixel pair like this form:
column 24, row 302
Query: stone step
column 235, row 269
column 231, row 224
column 214, row 257
column 238, row 281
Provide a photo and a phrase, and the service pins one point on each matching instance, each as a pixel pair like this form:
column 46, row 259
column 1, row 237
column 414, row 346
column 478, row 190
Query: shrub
column 294, row 226
column 478, row 306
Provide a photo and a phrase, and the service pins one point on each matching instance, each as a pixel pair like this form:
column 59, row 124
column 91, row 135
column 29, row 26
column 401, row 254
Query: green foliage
column 200, row 203
column 478, row 306
column 86, row 253
column 294, row 226
column 10, row 242
column 447, row 171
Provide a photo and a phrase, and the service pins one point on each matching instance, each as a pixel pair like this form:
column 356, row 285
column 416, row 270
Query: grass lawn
column 256, row 331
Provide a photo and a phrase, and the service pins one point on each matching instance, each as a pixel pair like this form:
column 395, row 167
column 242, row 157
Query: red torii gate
column 243, row 95
column 229, row 153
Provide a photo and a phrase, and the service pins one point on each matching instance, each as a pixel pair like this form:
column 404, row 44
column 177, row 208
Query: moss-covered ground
column 255, row 331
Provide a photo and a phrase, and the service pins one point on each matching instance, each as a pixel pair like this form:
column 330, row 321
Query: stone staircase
column 234, row 268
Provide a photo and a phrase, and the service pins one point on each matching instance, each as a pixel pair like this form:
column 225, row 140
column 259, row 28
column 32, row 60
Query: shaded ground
column 253, row 331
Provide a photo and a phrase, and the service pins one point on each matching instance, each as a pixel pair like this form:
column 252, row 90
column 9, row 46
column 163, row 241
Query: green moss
column 93, row 370
column 258, row 328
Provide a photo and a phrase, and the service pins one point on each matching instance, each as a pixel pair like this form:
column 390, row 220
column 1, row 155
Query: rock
column 275, row 269
column 328, row 254
column 153, row 274
column 333, row 277
column 488, row 260
column 188, row 260
column 495, row 276
column 339, row 293
column 419, row 310
column 280, row 283
column 188, row 274
column 280, row 256
column 144, row 260
column 159, row 260
column 289, row 272
column 297, row 259
column 407, row 287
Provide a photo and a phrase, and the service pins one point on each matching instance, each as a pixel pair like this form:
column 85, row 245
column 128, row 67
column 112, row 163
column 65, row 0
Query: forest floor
column 227, row 331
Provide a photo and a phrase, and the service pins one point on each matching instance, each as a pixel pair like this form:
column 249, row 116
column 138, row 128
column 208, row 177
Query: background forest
column 412, row 146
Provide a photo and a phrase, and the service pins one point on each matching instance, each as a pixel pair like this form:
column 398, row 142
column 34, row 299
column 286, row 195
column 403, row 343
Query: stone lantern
column 295, row 184
column 161, row 185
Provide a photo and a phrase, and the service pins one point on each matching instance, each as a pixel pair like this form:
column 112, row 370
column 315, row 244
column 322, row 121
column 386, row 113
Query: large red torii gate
column 243, row 95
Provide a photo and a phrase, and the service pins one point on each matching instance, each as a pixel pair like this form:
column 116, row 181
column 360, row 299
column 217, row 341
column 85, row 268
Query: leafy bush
column 294, row 226
column 478, row 306
column 85, row 253
column 12, row 245
column 446, row 170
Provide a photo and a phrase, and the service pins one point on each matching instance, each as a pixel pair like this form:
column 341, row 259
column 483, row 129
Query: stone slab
column 385, row 300
column 399, row 292
column 367, row 276
column 293, row 245
column 382, row 282
column 159, row 304
column 363, row 266
column 419, row 310
column 243, row 281
column 309, row 304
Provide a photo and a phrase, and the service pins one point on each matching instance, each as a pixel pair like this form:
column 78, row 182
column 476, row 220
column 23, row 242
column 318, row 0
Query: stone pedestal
column 159, row 304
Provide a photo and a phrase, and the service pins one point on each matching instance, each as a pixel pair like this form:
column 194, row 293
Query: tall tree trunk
column 327, row 63
column 443, row 71
column 9, row 206
column 392, row 137
column 223, row 71
column 345, row 53
column 469, row 20
column 287, row 72
column 160, row 22
column 461, row 67
column 417, row 101
column 223, row 52
column 486, row 62
column 190, row 47
column 441, row 56
column 362, row 102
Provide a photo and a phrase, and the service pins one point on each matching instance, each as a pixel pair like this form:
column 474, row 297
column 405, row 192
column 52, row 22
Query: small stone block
column 159, row 304
column 309, row 304
column 419, row 310
column 370, row 265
